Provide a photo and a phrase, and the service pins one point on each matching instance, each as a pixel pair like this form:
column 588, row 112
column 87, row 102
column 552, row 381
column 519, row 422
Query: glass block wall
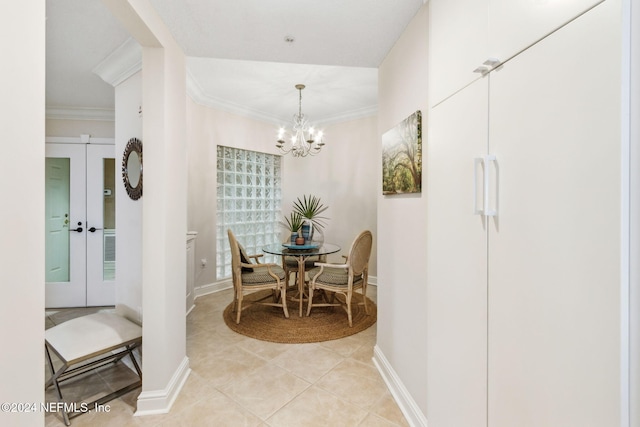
column 249, row 200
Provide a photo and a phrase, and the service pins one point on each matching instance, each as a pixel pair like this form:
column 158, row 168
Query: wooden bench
column 80, row 342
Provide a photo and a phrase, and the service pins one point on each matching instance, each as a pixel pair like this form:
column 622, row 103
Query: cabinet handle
column 478, row 161
column 491, row 158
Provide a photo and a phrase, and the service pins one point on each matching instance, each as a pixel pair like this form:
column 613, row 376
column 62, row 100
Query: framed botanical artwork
column 402, row 157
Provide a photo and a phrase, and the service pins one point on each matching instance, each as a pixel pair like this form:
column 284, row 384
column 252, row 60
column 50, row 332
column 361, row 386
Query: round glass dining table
column 300, row 255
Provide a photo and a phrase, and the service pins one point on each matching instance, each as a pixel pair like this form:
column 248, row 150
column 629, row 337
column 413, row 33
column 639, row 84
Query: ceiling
column 244, row 56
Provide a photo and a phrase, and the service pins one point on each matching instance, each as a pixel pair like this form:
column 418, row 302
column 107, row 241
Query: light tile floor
column 240, row 381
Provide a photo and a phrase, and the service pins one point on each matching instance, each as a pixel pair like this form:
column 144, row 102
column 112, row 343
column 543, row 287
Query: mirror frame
column 134, row 145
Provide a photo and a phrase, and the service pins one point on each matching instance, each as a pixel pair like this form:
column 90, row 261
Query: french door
column 80, row 225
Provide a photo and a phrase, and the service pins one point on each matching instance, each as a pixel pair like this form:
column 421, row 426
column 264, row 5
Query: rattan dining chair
column 344, row 278
column 250, row 277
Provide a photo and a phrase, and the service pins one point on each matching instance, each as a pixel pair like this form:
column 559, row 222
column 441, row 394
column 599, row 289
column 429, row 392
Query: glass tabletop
column 280, row 249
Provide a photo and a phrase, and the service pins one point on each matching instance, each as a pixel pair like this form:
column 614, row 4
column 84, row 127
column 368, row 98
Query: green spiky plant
column 311, row 208
column 293, row 222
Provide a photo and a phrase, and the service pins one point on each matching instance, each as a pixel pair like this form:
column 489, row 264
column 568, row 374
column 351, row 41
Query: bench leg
column 54, row 380
column 64, row 374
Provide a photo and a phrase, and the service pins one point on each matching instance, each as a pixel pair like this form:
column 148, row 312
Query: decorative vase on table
column 307, row 231
column 294, row 236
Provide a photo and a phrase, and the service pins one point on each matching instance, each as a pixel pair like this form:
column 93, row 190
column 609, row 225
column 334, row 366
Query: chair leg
column 348, row 298
column 333, row 298
column 364, row 299
column 310, row 302
column 239, row 299
column 283, row 293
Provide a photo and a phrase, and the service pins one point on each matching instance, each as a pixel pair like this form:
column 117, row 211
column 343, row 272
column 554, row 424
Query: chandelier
column 302, row 140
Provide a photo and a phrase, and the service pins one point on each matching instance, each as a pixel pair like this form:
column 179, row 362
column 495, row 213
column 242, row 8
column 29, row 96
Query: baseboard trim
column 212, row 287
column 405, row 402
column 227, row 284
column 160, row 401
column 192, row 307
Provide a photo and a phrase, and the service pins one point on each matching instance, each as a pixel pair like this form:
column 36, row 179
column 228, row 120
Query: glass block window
column 249, row 199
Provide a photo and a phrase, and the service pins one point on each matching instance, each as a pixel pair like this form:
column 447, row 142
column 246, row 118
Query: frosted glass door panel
column 109, row 215
column 57, row 219
column 554, row 254
column 65, row 239
column 101, row 223
column 457, row 262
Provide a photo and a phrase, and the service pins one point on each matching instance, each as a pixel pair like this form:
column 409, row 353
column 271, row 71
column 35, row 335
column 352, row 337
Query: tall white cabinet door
column 457, row 262
column 555, row 251
column 457, row 45
column 526, row 21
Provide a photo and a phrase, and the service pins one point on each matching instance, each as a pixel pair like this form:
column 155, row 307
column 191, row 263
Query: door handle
column 491, row 158
column 93, row 229
column 79, row 229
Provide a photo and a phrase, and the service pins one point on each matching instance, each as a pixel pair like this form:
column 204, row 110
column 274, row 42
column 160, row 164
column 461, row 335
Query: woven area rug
column 325, row 323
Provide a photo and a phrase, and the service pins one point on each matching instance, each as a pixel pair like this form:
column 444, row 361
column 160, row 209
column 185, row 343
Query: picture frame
column 402, row 157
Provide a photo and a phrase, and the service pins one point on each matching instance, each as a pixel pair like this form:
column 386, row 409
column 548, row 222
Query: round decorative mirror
column 132, row 168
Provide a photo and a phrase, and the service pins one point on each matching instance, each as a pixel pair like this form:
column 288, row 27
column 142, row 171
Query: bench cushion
column 87, row 336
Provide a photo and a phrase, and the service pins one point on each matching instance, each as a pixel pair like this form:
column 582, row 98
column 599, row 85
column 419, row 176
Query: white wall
column 207, row 128
column 342, row 175
column 402, row 221
column 75, row 128
column 164, row 204
column 22, row 102
column 128, row 98
column 634, row 164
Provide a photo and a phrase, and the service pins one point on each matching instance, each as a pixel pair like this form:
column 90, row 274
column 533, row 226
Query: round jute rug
column 325, row 323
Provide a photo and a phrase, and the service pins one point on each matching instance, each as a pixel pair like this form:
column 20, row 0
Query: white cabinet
column 555, row 251
column 457, row 262
column 466, row 33
column 457, row 44
column 515, row 25
column 524, row 322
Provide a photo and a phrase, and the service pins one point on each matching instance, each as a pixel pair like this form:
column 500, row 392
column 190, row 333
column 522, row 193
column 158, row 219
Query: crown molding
column 122, row 63
column 198, row 95
column 126, row 60
column 74, row 113
column 348, row 116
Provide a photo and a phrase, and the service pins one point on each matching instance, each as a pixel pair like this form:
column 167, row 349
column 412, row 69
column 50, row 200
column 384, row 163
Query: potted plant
column 310, row 209
column 293, row 223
